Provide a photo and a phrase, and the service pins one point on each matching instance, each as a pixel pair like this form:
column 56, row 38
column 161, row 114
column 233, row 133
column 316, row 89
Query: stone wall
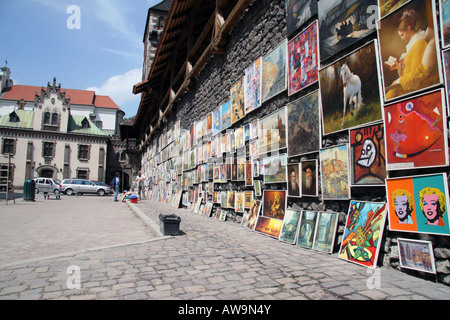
column 259, row 31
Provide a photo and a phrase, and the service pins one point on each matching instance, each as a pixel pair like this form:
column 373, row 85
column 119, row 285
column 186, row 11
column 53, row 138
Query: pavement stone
column 125, row 259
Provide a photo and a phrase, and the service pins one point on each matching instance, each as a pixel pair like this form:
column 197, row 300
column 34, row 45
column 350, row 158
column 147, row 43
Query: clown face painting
column 416, row 133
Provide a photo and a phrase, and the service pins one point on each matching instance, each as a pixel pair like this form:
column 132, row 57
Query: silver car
column 47, row 185
column 82, row 186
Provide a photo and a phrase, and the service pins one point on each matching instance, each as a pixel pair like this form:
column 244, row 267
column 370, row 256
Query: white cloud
column 120, row 89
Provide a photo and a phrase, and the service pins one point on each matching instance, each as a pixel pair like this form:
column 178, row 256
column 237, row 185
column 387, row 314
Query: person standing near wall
column 116, row 184
column 140, row 181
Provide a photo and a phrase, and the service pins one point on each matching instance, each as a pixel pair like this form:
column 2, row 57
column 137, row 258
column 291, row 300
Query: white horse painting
column 352, row 90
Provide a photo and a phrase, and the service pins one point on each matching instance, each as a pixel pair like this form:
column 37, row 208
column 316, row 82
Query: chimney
column 21, row 104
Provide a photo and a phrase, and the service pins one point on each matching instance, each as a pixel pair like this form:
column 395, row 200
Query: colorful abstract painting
column 416, row 132
column 252, row 86
column 334, row 167
column 368, row 155
column 217, row 121
column 274, row 72
column 303, row 63
column 237, row 101
column 419, row 204
column 363, row 232
column 226, row 115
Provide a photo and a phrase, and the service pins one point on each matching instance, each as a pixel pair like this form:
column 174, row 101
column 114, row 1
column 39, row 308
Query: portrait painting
column 309, row 174
column 272, row 132
column 275, row 169
column 298, row 12
column 237, row 101
column 418, row 204
column 367, row 156
column 303, row 60
column 304, row 125
column 274, row 204
column 444, row 10
column 217, row 121
column 255, row 209
column 416, row 132
column 294, row 184
column 363, row 232
column 350, row 90
column 307, row 229
column 226, row 115
column 252, row 86
column 274, row 72
column 416, row 255
column 289, row 228
column 326, row 232
column 334, row 168
column 343, row 23
column 409, row 49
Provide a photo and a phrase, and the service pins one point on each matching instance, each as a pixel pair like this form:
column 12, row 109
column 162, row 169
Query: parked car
column 99, row 183
column 47, row 185
column 82, row 186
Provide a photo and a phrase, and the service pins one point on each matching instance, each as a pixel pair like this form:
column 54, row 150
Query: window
column 13, row 117
column 82, row 174
column 85, row 124
column 8, row 146
column 83, row 152
column 99, row 124
column 47, row 118
column 54, row 119
column 48, row 149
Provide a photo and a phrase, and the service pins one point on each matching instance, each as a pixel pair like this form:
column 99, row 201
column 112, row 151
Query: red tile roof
column 80, row 97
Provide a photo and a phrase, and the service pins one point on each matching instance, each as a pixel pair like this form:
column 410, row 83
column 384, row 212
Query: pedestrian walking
column 116, row 184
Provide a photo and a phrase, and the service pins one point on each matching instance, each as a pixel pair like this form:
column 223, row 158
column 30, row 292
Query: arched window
column 55, row 118
column 47, row 118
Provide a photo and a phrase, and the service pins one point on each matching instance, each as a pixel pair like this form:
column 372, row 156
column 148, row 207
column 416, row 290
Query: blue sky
column 104, row 55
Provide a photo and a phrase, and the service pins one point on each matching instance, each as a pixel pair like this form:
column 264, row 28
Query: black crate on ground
column 169, row 224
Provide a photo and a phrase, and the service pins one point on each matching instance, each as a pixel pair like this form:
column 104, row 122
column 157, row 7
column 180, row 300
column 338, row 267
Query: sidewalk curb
column 149, row 222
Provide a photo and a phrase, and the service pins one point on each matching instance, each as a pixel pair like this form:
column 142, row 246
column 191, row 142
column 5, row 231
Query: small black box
column 169, row 224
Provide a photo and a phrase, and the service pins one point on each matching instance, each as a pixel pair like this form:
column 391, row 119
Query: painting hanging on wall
column 274, row 72
column 298, row 12
column 304, row 125
column 409, row 49
column 326, row 232
column 255, row 208
column 350, row 91
column 446, row 65
column 444, row 10
column 293, row 182
column 303, row 60
column 252, row 86
column 309, row 174
column 367, row 156
column 363, row 232
column 343, row 23
column 307, row 229
column 416, row 134
column 272, row 132
column 275, row 169
column 419, row 204
column 290, row 225
column 334, row 168
column 217, row 121
column 237, row 101
column 239, row 202
column 388, row 6
column 416, row 255
column 226, row 115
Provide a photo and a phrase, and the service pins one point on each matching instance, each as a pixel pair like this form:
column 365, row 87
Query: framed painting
column 368, row 156
column 419, row 204
column 208, row 124
column 255, row 209
column 307, row 229
column 241, row 168
column 217, row 121
column 239, row 137
column 289, row 228
column 343, row 23
column 248, row 174
column 226, row 115
column 416, row 134
column 237, row 101
column 298, row 12
column 254, row 129
column 388, row 6
column 350, row 90
column 446, row 66
column 223, row 199
column 274, row 204
column 444, row 12
column 275, row 169
column 272, row 132
column 326, row 232
column 363, row 232
column 274, row 72
column 230, row 199
column 309, row 173
column 293, row 184
column 303, row 60
column 239, row 202
column 248, row 199
column 252, row 86
column 334, row 168
column 269, row 226
column 257, row 187
column 408, row 43
column 304, row 125
column 416, row 255
column 244, row 220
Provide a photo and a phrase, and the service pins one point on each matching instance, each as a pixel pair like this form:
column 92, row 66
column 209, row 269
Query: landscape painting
column 274, row 72
column 326, row 232
column 444, row 6
column 334, row 166
column 290, row 225
column 343, row 23
column 226, row 115
column 304, row 125
column 416, row 255
column 303, row 60
column 363, row 232
column 307, row 229
column 298, row 12
column 272, row 132
column 275, row 169
column 350, row 91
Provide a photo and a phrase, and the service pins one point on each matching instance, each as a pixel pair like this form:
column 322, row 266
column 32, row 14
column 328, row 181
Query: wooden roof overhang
column 195, row 30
